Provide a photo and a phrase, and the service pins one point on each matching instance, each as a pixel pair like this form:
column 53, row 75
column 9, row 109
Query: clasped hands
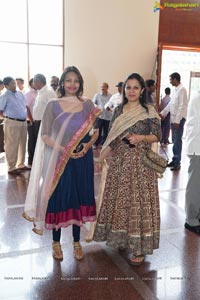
column 134, row 138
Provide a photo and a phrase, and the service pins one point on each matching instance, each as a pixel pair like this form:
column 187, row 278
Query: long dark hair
column 143, row 98
column 61, row 89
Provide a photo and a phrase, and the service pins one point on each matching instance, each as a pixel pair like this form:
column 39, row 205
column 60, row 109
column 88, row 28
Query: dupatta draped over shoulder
column 65, row 122
column 128, row 119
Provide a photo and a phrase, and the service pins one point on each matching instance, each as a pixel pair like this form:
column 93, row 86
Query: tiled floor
column 28, row 271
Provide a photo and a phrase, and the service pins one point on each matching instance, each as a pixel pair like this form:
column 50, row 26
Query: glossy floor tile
column 28, row 271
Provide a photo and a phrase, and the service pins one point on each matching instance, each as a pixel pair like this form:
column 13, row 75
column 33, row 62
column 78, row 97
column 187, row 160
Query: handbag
column 154, row 161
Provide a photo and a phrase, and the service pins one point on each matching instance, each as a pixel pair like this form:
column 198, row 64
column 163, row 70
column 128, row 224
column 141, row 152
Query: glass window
column 13, row 21
column 13, row 60
column 46, row 60
column 31, row 38
column 179, row 61
column 45, row 22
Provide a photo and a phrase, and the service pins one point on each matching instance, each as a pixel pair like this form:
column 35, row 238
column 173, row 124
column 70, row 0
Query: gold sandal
column 136, row 260
column 57, row 251
column 78, row 252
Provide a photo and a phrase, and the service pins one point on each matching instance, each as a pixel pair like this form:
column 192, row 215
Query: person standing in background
column 30, row 97
column 165, row 123
column 13, row 110
column 115, row 99
column 192, row 198
column 1, row 87
column 20, row 85
column 43, row 96
column 102, row 122
column 1, row 123
column 151, row 87
column 54, row 83
column 178, row 111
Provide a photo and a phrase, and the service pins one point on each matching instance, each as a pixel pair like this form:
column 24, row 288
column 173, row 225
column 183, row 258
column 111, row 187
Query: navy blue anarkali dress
column 73, row 201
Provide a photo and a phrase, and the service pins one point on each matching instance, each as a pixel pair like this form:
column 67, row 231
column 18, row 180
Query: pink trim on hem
column 70, row 222
column 70, row 216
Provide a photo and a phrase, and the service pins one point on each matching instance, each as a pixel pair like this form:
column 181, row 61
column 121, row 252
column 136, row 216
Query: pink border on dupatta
column 81, row 132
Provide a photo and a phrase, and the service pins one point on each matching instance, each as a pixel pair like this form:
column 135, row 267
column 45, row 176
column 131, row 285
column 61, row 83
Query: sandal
column 78, row 252
column 57, row 251
column 25, row 216
column 136, row 260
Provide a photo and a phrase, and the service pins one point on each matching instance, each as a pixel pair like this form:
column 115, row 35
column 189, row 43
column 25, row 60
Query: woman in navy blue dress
column 61, row 186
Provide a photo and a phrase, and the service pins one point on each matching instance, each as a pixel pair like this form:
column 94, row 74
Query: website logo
column 177, row 6
column 157, row 7
column 182, row 6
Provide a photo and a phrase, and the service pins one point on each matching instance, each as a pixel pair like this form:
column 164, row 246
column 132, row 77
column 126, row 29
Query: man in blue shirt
column 13, row 110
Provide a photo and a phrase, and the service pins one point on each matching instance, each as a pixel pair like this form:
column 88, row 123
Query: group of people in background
column 36, row 98
column 22, row 113
column 67, row 126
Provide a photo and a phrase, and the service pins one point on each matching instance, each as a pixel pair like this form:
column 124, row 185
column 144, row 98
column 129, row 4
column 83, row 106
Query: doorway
column 183, row 60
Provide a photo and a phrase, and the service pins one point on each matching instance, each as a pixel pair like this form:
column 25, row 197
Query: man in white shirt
column 102, row 122
column 20, row 85
column 192, row 195
column 115, row 99
column 43, row 96
column 165, row 124
column 54, row 82
column 178, row 111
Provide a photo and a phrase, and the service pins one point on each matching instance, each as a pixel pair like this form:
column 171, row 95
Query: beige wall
column 109, row 39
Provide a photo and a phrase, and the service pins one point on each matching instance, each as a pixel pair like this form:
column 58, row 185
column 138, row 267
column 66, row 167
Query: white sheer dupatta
column 56, row 132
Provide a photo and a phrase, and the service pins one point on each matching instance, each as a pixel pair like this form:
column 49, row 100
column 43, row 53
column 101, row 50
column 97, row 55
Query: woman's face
column 133, row 90
column 71, row 84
